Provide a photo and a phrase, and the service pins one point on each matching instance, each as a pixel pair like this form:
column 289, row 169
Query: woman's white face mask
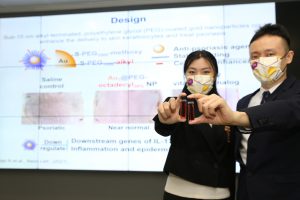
column 267, row 69
column 199, row 83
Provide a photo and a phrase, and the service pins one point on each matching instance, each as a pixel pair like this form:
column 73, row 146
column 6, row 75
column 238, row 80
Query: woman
column 200, row 163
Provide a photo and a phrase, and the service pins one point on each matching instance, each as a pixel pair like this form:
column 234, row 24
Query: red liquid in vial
column 191, row 112
column 183, row 108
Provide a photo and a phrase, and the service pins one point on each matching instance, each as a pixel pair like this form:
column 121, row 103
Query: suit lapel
column 243, row 103
column 284, row 86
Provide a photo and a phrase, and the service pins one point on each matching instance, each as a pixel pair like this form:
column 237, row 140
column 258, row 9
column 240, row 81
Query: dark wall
column 80, row 185
column 287, row 14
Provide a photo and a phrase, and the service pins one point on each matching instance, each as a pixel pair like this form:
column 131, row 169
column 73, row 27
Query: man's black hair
column 274, row 30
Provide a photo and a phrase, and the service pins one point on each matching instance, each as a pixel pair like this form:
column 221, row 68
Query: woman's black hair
column 207, row 56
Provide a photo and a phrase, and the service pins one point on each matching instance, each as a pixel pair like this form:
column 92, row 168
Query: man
column 268, row 128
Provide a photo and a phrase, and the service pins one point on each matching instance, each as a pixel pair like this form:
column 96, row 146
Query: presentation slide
column 79, row 91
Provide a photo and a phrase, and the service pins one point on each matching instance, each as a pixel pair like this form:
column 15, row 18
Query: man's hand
column 168, row 112
column 216, row 111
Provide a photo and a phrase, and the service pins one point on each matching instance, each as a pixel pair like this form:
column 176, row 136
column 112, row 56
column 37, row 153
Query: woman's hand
column 168, row 112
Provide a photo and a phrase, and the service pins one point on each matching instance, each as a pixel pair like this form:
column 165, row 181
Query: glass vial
column 191, row 110
column 183, row 108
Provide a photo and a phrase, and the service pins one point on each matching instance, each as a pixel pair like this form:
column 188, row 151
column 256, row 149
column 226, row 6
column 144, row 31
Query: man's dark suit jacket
column 272, row 171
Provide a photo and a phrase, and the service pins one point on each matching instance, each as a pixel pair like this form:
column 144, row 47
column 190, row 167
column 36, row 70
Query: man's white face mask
column 267, row 69
column 199, row 83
